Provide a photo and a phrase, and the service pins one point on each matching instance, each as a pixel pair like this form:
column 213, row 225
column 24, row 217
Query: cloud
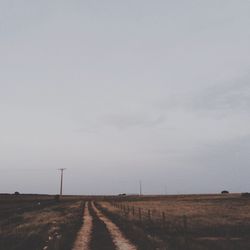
column 230, row 96
column 125, row 121
column 232, row 151
column 86, row 130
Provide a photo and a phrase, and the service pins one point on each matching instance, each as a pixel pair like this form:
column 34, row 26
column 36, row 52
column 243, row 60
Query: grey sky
column 118, row 91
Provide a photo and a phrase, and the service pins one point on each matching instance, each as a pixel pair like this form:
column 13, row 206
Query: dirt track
column 99, row 232
column 84, row 235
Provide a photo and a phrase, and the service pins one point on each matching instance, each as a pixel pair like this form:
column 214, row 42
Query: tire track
column 120, row 242
column 101, row 238
column 84, row 235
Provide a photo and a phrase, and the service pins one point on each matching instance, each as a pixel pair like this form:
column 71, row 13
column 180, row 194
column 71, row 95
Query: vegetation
column 197, row 222
column 194, row 222
column 39, row 225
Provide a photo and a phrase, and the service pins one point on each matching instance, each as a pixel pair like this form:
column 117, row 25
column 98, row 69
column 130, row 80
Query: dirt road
column 99, row 232
column 84, row 235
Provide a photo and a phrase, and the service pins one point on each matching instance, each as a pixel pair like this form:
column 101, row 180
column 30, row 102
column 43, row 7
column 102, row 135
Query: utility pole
column 61, row 186
column 140, row 188
column 166, row 190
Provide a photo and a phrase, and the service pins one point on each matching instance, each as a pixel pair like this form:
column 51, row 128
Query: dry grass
column 47, row 228
column 213, row 221
column 211, row 210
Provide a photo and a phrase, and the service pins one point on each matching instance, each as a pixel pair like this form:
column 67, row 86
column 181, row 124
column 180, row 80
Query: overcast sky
column 121, row 91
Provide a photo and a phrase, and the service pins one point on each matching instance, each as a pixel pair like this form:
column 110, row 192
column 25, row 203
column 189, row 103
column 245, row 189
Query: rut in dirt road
column 120, row 242
column 99, row 232
column 84, row 235
column 101, row 238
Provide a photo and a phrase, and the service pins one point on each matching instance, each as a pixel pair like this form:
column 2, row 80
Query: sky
column 122, row 91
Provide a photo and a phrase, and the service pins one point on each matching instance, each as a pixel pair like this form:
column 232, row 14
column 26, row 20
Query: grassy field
column 38, row 222
column 192, row 221
column 212, row 210
column 199, row 222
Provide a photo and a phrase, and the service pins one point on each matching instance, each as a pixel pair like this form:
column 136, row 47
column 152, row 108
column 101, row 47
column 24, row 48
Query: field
column 38, row 222
column 191, row 221
column 199, row 222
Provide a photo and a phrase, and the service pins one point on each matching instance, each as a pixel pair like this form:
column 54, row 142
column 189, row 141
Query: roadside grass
column 53, row 227
column 212, row 222
column 132, row 230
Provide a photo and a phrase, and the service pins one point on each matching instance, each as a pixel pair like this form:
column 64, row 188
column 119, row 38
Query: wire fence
column 158, row 221
column 152, row 216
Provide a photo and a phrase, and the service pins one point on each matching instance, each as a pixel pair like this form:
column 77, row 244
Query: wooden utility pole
column 140, row 188
column 166, row 190
column 61, row 184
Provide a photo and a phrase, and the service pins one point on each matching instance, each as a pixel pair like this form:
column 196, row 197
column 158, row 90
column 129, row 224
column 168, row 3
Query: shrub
column 246, row 195
column 57, row 197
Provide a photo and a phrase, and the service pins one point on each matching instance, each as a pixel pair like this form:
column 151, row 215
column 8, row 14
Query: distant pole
column 61, row 184
column 140, row 188
column 166, row 190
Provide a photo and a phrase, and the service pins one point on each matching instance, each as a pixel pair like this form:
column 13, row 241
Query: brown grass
column 53, row 226
column 213, row 221
column 210, row 210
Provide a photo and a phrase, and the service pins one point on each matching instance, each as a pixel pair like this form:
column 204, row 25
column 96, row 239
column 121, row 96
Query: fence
column 157, row 220
column 151, row 215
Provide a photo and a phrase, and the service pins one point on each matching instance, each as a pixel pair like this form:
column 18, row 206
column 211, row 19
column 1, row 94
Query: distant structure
column 61, row 183
column 166, row 190
column 122, row 195
column 225, row 192
column 140, row 188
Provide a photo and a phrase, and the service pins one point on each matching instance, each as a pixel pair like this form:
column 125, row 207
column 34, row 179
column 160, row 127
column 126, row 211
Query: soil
column 84, row 235
column 119, row 239
column 100, row 238
column 99, row 232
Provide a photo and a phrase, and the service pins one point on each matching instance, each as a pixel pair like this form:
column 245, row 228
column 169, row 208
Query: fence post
column 133, row 211
column 139, row 210
column 149, row 214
